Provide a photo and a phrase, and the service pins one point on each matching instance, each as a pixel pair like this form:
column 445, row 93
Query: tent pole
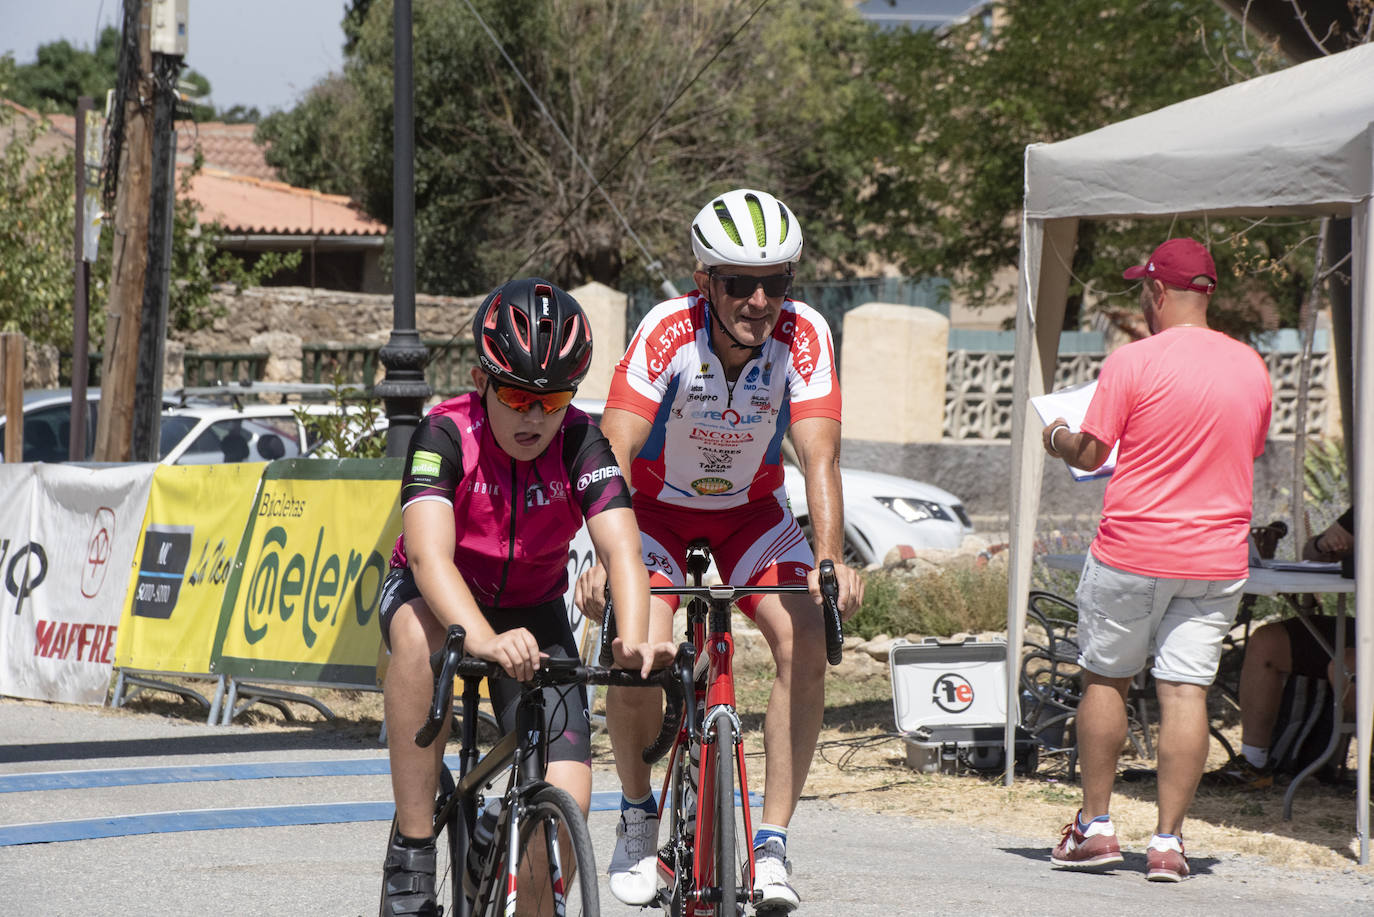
column 1362, row 277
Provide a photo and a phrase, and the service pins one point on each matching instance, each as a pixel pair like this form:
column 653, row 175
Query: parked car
column 881, row 511
column 193, row 432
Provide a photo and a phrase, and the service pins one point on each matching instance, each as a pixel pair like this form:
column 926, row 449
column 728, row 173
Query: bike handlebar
column 449, row 662
column 830, row 608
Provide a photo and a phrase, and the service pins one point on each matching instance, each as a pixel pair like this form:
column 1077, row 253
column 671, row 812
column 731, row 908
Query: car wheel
column 855, row 554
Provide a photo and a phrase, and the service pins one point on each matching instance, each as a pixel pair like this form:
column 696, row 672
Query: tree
column 960, row 107
column 37, row 207
column 61, row 74
column 497, row 190
column 37, row 201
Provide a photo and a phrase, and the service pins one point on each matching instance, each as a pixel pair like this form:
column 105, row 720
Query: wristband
column 1057, row 428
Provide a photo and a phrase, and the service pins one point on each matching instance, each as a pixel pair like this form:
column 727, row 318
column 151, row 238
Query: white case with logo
column 950, row 704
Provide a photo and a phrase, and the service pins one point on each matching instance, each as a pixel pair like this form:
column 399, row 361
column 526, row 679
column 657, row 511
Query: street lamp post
column 403, row 388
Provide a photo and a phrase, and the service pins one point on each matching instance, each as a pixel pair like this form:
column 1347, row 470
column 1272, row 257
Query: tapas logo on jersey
column 711, row 486
column 952, row 693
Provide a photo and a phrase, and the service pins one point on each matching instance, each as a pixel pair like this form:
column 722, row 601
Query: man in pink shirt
column 1190, row 410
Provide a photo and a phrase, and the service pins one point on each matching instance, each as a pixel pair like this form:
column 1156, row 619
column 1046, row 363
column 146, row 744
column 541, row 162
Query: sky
column 263, row 53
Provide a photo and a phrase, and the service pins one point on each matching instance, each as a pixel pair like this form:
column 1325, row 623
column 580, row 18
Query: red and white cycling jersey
column 715, row 444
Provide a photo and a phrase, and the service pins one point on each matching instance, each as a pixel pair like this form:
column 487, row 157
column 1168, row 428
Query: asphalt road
column 77, row 772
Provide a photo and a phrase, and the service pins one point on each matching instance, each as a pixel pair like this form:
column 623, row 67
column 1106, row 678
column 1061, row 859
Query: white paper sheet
column 1072, row 404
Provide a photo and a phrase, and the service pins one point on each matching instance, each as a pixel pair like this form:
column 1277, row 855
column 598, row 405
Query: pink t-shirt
column 1190, row 407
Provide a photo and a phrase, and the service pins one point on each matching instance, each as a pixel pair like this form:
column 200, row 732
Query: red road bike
column 707, row 861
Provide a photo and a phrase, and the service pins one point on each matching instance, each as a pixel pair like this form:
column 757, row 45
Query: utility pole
column 114, row 426
column 168, row 42
column 403, row 389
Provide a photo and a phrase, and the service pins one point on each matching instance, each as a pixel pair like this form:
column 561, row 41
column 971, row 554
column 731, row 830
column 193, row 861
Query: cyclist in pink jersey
column 496, row 484
column 1189, row 409
column 697, row 410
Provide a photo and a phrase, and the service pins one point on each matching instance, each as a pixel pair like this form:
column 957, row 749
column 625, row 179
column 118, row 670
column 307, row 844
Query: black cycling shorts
column 1308, row 656
column 569, row 725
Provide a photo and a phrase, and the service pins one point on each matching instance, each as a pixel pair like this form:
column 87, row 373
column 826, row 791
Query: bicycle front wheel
column 726, row 862
column 556, row 870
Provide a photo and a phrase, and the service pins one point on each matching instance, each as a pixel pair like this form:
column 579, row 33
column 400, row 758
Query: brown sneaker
column 1164, row 859
column 1240, row 774
column 1089, row 847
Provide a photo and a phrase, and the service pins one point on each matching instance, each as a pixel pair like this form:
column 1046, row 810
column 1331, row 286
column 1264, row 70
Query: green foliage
column 61, row 74
column 948, row 140
column 342, row 434
column 958, row 599
column 36, row 211
column 496, row 189
column 37, row 206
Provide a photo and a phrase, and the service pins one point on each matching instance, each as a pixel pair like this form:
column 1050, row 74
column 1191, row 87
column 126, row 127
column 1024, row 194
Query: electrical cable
column 651, row 261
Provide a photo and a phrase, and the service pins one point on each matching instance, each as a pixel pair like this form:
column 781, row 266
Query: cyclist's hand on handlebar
column 851, row 584
column 643, row 656
column 590, row 592
column 516, row 651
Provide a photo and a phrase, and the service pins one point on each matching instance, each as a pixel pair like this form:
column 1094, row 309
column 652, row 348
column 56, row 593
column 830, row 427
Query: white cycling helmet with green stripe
column 746, row 227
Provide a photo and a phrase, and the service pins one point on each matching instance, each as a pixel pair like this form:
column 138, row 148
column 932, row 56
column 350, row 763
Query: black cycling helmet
column 532, row 334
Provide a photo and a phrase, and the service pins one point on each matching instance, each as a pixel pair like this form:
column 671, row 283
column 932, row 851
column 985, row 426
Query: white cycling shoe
column 771, row 872
column 634, row 864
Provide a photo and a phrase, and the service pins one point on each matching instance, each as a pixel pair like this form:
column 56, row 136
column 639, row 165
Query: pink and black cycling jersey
column 513, row 520
column 716, row 444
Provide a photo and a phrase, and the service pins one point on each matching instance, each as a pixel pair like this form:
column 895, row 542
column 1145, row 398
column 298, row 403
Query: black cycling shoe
column 408, row 881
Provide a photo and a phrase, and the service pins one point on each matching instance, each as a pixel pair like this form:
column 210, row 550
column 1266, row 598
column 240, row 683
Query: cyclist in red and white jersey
column 710, row 384
column 496, row 484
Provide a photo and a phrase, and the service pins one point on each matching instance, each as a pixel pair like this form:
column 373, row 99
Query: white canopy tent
column 1300, row 141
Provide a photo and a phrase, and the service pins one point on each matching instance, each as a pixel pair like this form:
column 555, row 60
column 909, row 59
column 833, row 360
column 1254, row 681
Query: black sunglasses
column 742, row 286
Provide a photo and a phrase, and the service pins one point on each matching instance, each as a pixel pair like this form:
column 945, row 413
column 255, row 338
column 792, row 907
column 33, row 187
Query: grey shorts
column 1124, row 618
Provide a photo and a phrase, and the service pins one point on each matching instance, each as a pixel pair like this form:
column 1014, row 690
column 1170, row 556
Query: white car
column 881, row 511
column 196, row 432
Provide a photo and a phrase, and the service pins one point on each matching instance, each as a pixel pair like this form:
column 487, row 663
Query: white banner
column 67, row 540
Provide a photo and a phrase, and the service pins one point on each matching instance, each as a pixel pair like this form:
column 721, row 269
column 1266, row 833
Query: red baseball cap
column 1177, row 262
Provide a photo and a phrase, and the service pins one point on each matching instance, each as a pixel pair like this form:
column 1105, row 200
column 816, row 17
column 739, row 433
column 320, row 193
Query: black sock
column 415, row 842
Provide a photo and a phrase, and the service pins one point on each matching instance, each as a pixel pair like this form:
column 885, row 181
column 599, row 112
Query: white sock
column 1259, row 757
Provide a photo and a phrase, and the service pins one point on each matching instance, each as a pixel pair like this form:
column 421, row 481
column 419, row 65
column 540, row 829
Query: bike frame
column 708, row 622
column 521, row 752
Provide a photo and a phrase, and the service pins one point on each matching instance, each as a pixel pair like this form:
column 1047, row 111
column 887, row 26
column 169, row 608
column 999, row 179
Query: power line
column 668, row 287
column 629, row 149
column 651, row 261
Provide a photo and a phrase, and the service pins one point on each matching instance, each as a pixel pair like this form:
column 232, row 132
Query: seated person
column 1277, row 650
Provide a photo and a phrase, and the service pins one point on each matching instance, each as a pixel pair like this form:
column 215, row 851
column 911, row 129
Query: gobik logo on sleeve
column 952, row 693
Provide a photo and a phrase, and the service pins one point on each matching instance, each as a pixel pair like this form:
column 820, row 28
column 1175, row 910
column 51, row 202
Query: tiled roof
column 236, row 187
column 255, row 206
column 225, row 146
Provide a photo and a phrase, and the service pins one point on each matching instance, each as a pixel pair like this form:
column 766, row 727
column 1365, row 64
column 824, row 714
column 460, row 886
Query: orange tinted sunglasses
column 521, row 400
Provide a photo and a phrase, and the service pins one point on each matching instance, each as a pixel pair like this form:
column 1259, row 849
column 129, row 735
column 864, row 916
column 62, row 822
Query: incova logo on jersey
column 711, row 486
column 952, row 693
column 721, row 437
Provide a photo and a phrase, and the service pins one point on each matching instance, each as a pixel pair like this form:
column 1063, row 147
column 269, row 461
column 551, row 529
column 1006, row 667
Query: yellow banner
column 185, row 558
column 303, row 601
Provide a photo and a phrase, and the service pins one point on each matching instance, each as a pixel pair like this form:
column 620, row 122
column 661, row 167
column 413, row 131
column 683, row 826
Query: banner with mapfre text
column 185, row 558
column 67, row 541
column 301, row 603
